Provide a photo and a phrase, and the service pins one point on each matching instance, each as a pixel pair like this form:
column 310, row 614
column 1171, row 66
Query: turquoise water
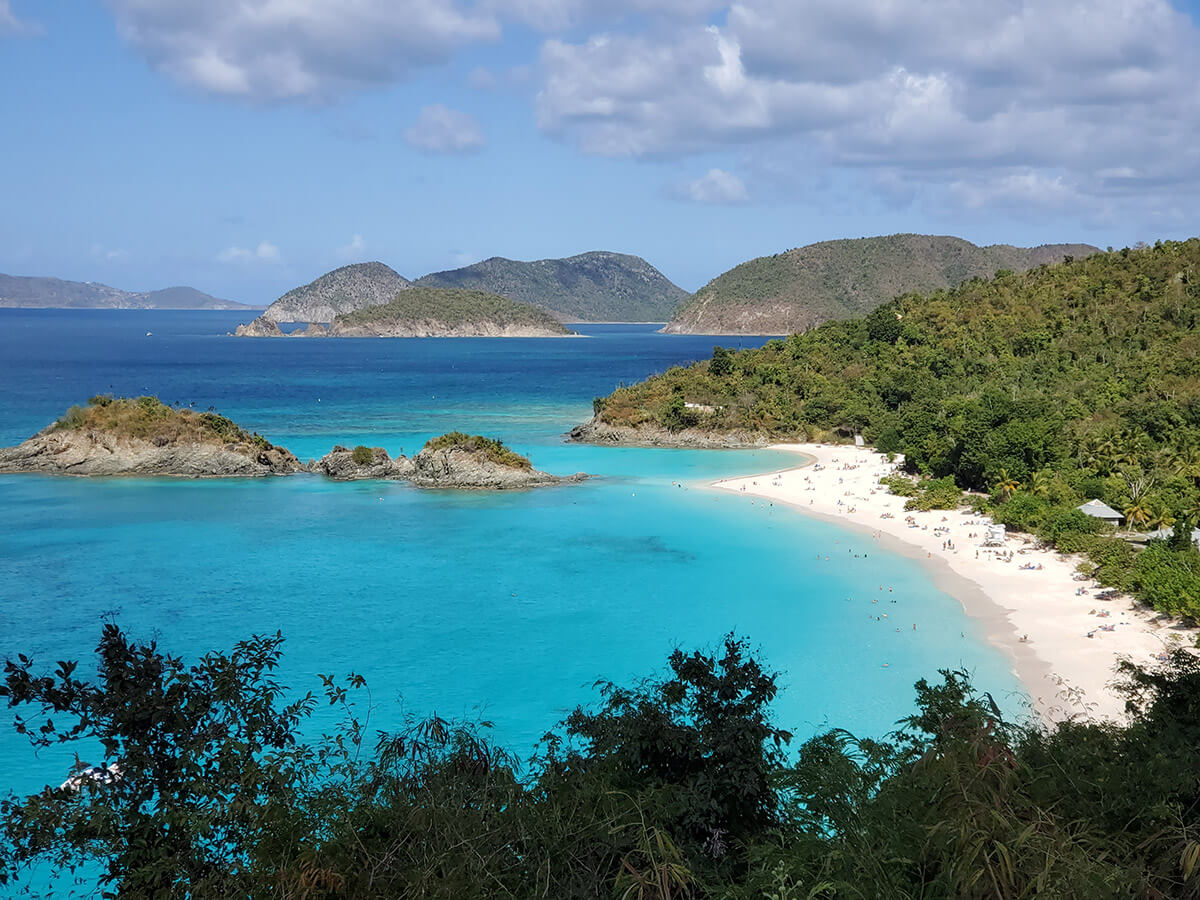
column 498, row 606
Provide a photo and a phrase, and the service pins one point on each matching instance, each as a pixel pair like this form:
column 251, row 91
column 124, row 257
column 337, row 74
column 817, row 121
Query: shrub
column 493, row 449
column 362, row 456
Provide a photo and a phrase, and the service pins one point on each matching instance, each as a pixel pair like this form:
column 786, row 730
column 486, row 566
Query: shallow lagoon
column 498, row 606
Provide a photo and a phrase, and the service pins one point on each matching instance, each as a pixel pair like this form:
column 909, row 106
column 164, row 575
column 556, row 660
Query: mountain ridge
column 802, row 287
column 598, row 285
column 48, row 292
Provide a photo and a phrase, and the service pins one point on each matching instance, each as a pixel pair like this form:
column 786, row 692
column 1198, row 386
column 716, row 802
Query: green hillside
column 590, row 287
column 424, row 309
column 1048, row 388
column 801, row 288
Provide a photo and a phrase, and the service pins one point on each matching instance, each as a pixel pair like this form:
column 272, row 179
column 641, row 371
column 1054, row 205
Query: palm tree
column 1161, row 518
column 1041, row 483
column 1138, row 513
column 1191, row 515
column 1007, row 485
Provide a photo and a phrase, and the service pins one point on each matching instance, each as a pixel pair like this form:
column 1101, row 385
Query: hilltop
column 49, row 293
column 795, row 290
column 447, row 312
column 343, row 290
column 592, row 287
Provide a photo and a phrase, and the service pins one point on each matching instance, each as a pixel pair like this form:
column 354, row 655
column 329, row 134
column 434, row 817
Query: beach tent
column 1098, row 510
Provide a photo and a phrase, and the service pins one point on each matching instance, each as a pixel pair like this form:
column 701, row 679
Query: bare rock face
column 90, row 452
column 361, row 463
column 312, row 329
column 260, row 327
column 597, row 432
column 457, row 468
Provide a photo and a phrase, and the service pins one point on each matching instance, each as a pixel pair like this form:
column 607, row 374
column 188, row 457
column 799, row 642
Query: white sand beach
column 1032, row 604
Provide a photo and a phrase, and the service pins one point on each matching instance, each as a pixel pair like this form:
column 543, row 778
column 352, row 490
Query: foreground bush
column 679, row 787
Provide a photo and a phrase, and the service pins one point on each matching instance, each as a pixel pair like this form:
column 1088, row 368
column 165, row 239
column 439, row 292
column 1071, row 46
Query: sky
column 244, row 147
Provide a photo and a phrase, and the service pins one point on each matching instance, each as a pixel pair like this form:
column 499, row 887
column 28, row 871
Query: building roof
column 1099, row 510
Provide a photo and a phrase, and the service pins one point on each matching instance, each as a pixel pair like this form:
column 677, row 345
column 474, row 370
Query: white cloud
column 11, row 25
column 442, row 130
column 354, row 249
column 296, row 49
column 265, row 252
column 716, row 187
column 978, row 101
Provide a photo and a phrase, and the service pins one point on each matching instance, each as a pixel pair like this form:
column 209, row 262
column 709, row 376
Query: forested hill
column 343, row 290
column 591, row 287
column 1015, row 373
column 448, row 312
column 800, row 288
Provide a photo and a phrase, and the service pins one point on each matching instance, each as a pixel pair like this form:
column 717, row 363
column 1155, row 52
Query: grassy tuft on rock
column 149, row 419
column 495, row 450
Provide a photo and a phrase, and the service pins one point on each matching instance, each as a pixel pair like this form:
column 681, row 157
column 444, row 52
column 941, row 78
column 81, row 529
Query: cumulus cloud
column 293, row 49
column 439, row 129
column 265, row 252
column 983, row 100
column 715, row 187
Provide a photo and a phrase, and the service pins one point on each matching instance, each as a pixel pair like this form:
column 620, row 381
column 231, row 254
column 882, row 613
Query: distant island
column 142, row 436
column 343, row 290
column 28, row 292
column 591, row 287
column 801, row 288
column 428, row 312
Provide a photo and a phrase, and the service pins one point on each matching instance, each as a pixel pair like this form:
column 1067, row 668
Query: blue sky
column 246, row 146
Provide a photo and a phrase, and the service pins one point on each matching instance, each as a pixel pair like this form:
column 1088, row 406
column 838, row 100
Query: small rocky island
column 453, row 460
column 428, row 312
column 145, row 437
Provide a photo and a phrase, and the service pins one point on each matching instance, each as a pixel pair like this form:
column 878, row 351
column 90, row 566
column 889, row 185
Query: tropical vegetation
column 149, row 419
column 681, row 786
column 800, row 288
column 492, row 449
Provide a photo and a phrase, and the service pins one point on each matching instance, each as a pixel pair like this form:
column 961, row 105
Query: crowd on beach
column 1037, row 588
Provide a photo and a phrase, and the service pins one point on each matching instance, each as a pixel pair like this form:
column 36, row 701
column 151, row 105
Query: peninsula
column 145, row 437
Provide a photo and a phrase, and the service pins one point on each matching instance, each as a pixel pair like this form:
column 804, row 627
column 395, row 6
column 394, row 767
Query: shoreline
column 1064, row 671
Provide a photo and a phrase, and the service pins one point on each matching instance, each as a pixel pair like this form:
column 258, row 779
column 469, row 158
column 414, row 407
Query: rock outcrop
column 145, row 437
column 260, row 327
column 597, row 432
column 361, row 463
column 91, row 452
column 453, row 467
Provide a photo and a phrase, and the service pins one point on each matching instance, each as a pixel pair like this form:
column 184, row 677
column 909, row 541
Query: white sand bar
column 1034, row 614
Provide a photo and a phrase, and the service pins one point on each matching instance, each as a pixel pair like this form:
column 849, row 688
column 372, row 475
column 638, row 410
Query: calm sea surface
column 498, row 606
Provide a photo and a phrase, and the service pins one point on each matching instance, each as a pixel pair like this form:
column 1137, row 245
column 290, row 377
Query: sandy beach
column 1030, row 600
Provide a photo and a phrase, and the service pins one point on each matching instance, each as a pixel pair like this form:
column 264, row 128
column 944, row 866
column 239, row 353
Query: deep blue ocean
column 505, row 606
